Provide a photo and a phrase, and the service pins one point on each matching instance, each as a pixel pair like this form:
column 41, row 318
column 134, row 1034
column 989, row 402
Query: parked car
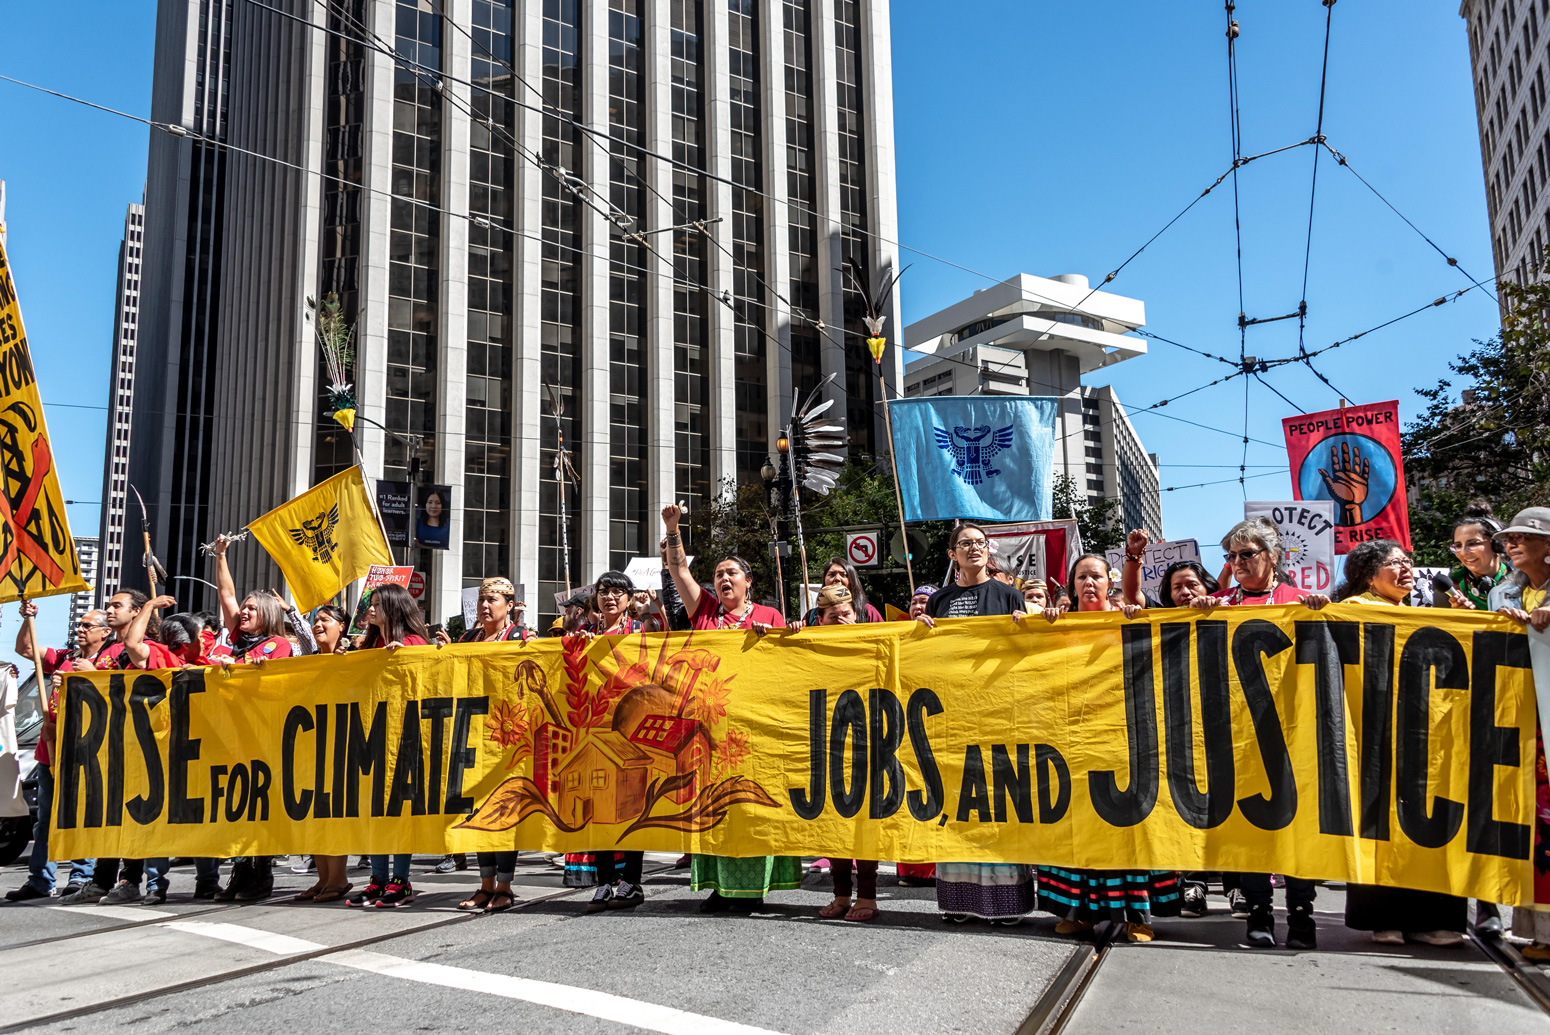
column 16, row 831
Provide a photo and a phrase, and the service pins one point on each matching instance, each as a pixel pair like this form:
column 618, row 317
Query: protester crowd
column 1498, row 568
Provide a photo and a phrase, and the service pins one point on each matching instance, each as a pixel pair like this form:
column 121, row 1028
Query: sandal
column 333, row 894
column 834, row 910
column 500, row 901
column 477, row 901
column 310, row 894
column 861, row 914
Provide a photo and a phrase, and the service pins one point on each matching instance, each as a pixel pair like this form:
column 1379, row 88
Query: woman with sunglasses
column 1524, row 595
column 1002, row 893
column 1254, row 555
column 1082, row 899
column 1380, row 574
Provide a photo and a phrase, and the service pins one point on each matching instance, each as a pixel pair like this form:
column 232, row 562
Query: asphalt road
column 546, row 967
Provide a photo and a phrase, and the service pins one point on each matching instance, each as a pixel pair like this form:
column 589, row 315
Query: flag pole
column 893, row 465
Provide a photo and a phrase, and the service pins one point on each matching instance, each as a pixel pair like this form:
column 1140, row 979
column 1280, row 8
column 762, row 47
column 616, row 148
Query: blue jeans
column 41, row 872
column 379, row 867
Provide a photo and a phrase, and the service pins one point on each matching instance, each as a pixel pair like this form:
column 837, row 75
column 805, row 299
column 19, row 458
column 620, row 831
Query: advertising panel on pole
column 393, row 506
column 1307, row 530
column 433, row 517
column 1155, row 561
column 1351, row 456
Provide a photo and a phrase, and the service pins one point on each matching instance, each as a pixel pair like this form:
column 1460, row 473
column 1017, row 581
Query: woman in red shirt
column 257, row 625
column 739, row 884
column 393, row 621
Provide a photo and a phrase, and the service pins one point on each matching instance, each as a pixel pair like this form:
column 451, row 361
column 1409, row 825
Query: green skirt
column 745, row 878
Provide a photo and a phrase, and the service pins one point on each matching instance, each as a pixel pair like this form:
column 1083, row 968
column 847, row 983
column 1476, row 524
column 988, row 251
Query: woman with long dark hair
column 840, row 572
column 1084, row 898
column 392, row 621
column 1380, row 573
column 1480, row 559
column 330, row 625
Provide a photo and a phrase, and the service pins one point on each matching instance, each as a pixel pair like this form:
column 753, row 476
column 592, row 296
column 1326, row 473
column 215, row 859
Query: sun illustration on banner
column 643, row 741
column 971, row 458
column 317, row 535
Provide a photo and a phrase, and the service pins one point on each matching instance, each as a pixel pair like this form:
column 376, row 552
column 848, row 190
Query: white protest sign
column 646, row 572
column 470, row 606
column 1156, row 560
column 1307, row 530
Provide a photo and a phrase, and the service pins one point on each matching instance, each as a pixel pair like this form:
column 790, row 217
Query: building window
column 860, row 383
column 750, row 396
column 802, row 195
column 691, row 443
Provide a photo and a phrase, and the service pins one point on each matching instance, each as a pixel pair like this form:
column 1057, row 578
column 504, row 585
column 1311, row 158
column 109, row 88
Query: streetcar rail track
column 1059, row 1002
column 258, row 968
column 1533, row 981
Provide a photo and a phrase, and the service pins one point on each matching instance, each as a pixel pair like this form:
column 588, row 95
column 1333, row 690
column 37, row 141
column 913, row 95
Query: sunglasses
column 1232, row 556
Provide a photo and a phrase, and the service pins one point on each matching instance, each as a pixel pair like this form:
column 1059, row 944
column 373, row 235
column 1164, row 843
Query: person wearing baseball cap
column 1525, row 595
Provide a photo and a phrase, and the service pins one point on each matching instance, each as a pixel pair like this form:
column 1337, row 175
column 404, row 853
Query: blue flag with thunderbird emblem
column 975, row 457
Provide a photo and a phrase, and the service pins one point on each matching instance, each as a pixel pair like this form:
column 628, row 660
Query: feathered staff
column 336, row 340
column 874, row 320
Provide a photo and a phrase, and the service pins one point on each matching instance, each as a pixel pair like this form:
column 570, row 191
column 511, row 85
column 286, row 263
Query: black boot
column 1262, row 928
column 260, row 882
column 1301, row 932
column 239, row 879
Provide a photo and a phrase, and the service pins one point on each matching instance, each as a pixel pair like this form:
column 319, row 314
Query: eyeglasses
column 1398, row 563
column 1473, row 544
column 612, row 591
column 1233, row 556
column 971, row 544
column 1521, row 537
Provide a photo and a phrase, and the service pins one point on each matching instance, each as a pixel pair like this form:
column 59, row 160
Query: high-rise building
column 88, row 550
column 1036, row 336
column 121, row 388
column 1508, row 54
column 643, row 204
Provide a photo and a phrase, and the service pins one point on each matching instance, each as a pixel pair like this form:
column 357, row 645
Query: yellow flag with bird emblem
column 324, row 539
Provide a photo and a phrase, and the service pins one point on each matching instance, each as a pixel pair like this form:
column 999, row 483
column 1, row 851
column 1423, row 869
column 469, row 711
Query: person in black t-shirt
column 976, row 592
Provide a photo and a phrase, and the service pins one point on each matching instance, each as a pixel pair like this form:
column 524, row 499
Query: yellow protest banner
column 1390, row 745
column 37, row 555
column 324, row 539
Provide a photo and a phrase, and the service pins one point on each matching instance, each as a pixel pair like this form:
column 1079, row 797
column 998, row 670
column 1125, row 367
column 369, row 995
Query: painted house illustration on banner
column 601, row 775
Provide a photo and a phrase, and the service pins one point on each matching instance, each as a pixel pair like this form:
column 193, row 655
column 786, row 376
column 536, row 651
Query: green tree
column 1485, row 434
column 1095, row 518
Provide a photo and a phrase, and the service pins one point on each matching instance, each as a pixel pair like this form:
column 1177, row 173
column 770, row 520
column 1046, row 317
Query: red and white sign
column 1035, row 549
column 862, row 548
column 417, row 585
column 1351, row 457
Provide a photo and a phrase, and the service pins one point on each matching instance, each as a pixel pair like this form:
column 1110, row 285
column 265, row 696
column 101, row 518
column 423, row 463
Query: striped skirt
column 1120, row 896
column 991, row 891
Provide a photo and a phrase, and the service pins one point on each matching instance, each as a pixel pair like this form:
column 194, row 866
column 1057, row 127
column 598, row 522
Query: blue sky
column 1032, row 137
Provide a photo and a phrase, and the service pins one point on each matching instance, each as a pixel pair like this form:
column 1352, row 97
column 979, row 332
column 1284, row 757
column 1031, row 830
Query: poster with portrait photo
column 433, row 517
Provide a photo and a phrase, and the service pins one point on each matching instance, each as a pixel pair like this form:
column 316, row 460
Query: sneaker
column 1389, row 937
column 91, row 893
column 71, row 889
column 1261, row 932
column 1006, row 921
column 300, row 863
column 397, row 893
column 1302, row 934
column 955, row 918
column 1237, row 904
column 367, row 896
column 447, row 865
column 1194, row 900
column 626, row 896
column 1444, row 938
column 154, row 896
column 25, row 893
column 122, row 894
column 600, row 899
column 1277, row 881
column 820, row 866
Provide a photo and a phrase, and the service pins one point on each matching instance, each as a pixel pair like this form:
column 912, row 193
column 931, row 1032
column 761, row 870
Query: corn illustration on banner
column 37, row 554
column 1395, row 747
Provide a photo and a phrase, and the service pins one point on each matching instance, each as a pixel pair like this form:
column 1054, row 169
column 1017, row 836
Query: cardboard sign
column 1156, row 560
column 1307, row 530
column 377, row 575
column 1351, row 457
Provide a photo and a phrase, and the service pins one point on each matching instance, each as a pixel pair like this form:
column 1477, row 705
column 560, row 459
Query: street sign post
column 863, row 548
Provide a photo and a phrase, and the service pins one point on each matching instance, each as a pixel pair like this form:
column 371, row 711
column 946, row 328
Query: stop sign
column 416, row 585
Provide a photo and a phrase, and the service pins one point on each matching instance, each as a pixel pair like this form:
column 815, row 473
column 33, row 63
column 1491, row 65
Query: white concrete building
column 1509, row 48
column 1035, row 336
column 121, row 388
column 475, row 173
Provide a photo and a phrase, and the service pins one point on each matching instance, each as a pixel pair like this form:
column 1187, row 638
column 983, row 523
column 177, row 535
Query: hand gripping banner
column 1374, row 745
column 37, row 555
